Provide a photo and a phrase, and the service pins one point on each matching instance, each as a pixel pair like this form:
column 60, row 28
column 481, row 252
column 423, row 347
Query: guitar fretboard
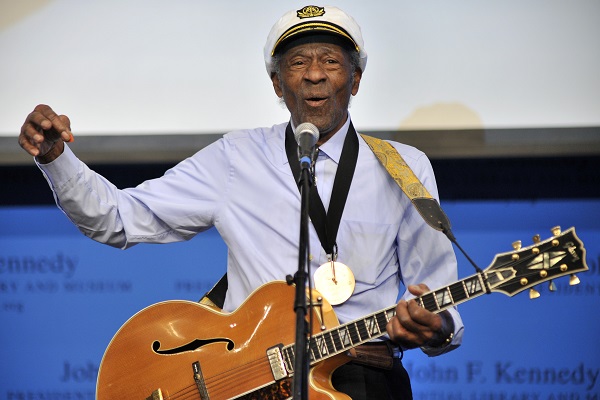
column 344, row 337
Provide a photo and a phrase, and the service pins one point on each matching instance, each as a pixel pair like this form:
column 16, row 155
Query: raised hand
column 44, row 132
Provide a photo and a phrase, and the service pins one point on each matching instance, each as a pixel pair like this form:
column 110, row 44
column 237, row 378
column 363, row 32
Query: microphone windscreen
column 306, row 128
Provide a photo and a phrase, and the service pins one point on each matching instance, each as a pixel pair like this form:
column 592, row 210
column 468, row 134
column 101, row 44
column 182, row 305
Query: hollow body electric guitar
column 186, row 350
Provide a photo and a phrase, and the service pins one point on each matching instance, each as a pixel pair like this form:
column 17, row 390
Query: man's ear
column 276, row 85
column 356, row 81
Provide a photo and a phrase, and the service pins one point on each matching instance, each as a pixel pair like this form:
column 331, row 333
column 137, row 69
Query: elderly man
column 244, row 185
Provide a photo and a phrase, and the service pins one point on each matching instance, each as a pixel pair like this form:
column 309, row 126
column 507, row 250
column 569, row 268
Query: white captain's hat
column 314, row 20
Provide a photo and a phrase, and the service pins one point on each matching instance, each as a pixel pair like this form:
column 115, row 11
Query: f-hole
column 191, row 346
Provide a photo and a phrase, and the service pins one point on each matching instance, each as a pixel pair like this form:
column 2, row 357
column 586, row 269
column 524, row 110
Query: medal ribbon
column 327, row 223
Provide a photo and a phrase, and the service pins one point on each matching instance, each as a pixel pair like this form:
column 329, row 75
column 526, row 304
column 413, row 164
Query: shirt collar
column 332, row 148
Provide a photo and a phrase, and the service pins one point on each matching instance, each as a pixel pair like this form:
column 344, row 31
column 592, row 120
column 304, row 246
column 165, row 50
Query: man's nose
column 315, row 72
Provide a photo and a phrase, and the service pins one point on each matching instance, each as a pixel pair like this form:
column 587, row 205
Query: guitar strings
column 217, row 383
column 188, row 392
column 220, row 382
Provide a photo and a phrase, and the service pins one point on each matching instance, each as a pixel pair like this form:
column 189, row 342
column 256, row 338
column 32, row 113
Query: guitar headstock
column 562, row 254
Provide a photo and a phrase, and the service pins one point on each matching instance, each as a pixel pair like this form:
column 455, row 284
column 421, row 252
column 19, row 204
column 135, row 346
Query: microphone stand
column 301, row 362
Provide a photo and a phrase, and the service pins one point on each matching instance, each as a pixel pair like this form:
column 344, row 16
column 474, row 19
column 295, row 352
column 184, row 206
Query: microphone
column 306, row 135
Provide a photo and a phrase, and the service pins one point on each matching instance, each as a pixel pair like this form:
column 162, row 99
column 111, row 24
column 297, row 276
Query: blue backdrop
column 63, row 296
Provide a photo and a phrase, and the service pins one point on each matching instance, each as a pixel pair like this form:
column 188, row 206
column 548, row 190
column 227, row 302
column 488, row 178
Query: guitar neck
column 510, row 273
column 346, row 336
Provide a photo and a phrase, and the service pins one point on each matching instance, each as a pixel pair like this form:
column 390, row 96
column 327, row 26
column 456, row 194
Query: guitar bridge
column 156, row 395
column 276, row 361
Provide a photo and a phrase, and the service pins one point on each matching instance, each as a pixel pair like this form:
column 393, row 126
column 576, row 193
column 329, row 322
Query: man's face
column 316, row 81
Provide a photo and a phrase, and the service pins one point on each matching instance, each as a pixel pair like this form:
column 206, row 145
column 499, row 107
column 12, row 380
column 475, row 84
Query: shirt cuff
column 456, row 338
column 61, row 170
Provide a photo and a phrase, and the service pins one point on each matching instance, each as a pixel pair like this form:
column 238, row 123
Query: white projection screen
column 164, row 67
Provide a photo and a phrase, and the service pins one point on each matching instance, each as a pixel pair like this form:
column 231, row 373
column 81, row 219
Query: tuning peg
column 552, row 286
column 536, row 238
column 533, row 294
column 574, row 280
column 516, row 245
column 556, row 230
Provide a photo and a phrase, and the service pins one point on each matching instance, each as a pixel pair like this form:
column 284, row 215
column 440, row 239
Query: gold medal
column 335, row 281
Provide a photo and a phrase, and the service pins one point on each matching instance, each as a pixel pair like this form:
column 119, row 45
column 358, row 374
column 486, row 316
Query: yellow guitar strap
column 395, row 165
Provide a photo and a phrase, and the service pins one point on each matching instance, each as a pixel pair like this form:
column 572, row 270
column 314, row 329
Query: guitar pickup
column 199, row 379
column 276, row 362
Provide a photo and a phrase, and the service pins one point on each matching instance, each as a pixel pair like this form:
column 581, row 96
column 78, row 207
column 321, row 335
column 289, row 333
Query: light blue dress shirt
column 242, row 184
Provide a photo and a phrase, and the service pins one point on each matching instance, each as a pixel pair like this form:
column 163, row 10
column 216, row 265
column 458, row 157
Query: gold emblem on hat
column 310, row 12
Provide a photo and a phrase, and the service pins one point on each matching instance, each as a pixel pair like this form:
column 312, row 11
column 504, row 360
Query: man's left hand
column 414, row 326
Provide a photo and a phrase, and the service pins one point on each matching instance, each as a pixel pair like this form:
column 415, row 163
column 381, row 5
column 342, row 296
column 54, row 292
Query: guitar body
column 155, row 353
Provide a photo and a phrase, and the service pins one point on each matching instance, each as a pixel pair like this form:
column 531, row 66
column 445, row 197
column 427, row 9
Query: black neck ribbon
column 327, row 223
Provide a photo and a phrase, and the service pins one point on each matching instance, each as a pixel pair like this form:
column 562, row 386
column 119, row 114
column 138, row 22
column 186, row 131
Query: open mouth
column 316, row 101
